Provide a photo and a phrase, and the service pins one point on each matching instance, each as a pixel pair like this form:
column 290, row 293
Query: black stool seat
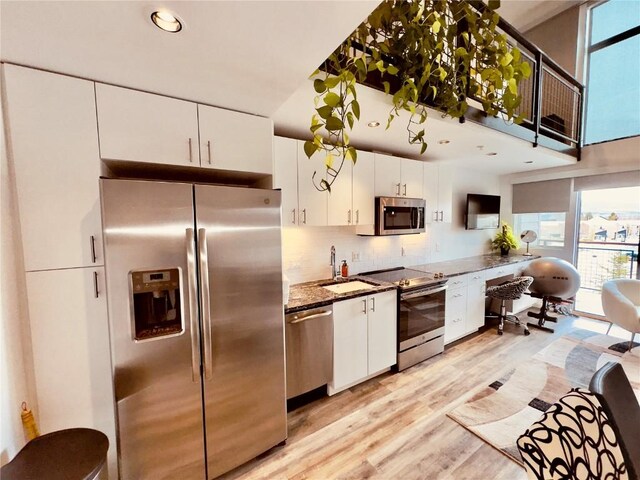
column 511, row 290
column 72, row 454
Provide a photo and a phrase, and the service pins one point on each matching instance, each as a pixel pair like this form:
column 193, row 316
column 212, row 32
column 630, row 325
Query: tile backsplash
column 306, row 251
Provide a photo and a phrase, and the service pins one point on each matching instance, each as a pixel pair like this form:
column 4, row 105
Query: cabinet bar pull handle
column 441, row 216
column 190, row 151
column 349, row 217
column 92, row 239
column 364, row 306
column 293, row 218
column 95, row 285
column 373, row 304
column 435, row 215
column 304, row 216
column 398, row 189
column 209, row 150
column 357, row 217
column 405, row 189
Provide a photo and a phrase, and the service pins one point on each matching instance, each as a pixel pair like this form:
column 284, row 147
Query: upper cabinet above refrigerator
column 148, row 128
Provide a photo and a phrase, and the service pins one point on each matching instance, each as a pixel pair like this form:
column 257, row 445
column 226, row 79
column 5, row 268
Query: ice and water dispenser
column 157, row 307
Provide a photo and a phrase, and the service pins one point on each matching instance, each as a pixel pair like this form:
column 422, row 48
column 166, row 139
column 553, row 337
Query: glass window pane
column 613, row 17
column 548, row 226
column 613, row 96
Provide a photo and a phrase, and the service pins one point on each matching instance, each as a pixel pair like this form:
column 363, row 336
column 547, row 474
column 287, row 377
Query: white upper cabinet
column 398, row 177
column 311, row 201
column 411, row 176
column 285, row 177
column 387, row 176
column 143, row 127
column 54, row 142
column 363, row 189
column 235, row 141
column 340, row 211
column 438, row 192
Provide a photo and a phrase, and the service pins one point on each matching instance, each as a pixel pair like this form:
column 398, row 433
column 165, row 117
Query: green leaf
column 443, row 74
column 310, row 148
column 350, row 119
column 332, row 99
column 525, row 69
column 435, row 26
column 334, row 123
column 516, row 55
column 353, row 153
column 465, row 36
column 461, row 52
column 423, row 148
column 387, row 87
column 315, row 128
column 355, row 108
column 380, row 65
column 389, row 120
column 331, row 82
column 393, row 70
column 328, row 161
column 506, row 60
column 319, row 86
column 494, row 4
column 513, row 86
column 325, row 111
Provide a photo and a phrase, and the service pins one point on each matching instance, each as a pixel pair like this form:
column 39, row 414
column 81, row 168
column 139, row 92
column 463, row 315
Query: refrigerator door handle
column 205, row 303
column 192, row 287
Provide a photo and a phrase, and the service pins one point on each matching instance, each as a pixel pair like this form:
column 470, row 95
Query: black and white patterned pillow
column 574, row 440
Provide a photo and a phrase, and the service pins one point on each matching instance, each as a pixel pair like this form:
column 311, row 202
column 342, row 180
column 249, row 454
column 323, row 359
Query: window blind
column 542, row 197
column 610, row 180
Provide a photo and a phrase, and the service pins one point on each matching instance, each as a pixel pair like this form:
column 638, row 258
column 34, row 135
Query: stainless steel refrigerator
column 194, row 291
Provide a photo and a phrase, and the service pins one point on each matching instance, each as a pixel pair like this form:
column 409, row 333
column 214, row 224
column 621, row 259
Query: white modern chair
column 621, row 304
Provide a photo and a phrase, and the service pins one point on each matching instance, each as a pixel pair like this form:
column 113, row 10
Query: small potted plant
column 505, row 240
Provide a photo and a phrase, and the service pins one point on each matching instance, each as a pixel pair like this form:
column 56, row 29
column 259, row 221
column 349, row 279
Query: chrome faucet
column 334, row 270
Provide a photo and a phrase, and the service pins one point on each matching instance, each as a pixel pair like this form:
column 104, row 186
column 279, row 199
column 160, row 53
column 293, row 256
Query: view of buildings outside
column 608, row 241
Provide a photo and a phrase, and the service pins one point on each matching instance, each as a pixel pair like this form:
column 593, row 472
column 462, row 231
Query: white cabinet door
column 52, row 127
column 71, row 359
column 475, row 306
column 412, row 178
column 430, row 192
column 445, row 193
column 143, row 127
column 311, row 201
column 349, row 342
column 455, row 313
column 285, row 177
column 382, row 330
column 387, row 176
column 340, row 210
column 235, row 141
column 364, row 189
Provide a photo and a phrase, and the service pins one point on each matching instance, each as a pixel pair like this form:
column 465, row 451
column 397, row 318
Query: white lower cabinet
column 71, row 356
column 476, row 294
column 455, row 313
column 364, row 338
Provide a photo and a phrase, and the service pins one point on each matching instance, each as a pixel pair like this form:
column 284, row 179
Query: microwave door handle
column 419, row 217
column 192, row 290
column 205, row 302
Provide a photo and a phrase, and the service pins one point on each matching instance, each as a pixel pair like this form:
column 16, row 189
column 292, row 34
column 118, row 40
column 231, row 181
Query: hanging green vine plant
column 435, row 53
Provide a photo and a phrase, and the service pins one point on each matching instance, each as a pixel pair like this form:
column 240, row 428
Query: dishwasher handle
column 299, row 319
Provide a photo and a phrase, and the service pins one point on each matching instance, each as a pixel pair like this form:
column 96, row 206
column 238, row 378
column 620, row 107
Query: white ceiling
column 526, row 14
column 250, row 56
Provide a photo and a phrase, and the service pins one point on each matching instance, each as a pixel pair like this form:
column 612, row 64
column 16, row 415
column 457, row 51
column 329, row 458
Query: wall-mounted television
column 483, row 212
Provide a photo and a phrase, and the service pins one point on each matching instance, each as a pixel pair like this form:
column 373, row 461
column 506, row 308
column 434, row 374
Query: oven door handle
column 422, row 293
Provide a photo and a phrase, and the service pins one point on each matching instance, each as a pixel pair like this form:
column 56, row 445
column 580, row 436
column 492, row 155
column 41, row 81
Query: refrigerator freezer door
column 244, row 392
column 157, row 379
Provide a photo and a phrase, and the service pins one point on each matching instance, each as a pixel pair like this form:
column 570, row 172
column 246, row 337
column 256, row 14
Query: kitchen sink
column 349, row 286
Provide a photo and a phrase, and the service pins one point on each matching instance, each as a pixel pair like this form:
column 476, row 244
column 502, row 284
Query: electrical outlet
column 403, row 252
column 355, row 256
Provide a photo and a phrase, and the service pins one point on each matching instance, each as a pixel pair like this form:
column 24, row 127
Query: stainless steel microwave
column 397, row 216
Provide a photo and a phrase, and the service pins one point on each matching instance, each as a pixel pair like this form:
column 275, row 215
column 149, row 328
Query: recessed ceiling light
column 480, row 147
column 528, row 161
column 166, row 21
column 443, row 142
column 491, row 154
column 374, row 124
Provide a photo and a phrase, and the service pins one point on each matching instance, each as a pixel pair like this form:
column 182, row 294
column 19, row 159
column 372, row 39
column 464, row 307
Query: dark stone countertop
column 460, row 266
column 307, row 295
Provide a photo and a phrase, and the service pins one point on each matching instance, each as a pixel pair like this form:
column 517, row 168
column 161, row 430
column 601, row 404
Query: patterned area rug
column 500, row 412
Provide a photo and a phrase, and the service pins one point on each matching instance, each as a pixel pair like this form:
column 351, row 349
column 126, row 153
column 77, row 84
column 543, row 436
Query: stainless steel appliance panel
column 309, row 342
column 399, row 215
column 243, row 323
column 148, row 226
column 421, row 315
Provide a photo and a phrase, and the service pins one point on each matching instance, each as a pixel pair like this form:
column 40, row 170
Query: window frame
column 607, row 42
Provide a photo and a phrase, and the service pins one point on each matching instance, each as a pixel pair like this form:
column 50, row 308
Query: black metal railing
column 602, row 261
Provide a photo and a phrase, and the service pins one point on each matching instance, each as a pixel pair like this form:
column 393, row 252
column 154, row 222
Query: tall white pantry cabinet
column 53, row 143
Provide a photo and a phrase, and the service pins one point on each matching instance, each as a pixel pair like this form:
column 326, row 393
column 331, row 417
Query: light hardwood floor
column 395, row 425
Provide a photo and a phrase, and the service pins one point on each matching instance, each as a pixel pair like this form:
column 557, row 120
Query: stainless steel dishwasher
column 309, row 341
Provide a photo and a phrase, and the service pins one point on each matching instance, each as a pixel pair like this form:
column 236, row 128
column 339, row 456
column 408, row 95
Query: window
column 548, row 226
column 613, row 82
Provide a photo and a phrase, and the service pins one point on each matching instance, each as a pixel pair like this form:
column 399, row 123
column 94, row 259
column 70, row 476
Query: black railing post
column 537, row 97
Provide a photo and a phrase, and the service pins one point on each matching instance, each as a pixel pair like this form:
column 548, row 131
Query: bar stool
column 72, row 454
column 511, row 290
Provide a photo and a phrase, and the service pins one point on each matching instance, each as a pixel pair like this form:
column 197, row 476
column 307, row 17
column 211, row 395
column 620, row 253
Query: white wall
column 16, row 367
column 306, row 250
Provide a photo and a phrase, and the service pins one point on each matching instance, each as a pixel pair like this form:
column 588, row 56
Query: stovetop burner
column 405, row 278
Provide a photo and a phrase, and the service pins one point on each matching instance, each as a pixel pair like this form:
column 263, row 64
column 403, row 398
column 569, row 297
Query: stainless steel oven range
column 421, row 302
